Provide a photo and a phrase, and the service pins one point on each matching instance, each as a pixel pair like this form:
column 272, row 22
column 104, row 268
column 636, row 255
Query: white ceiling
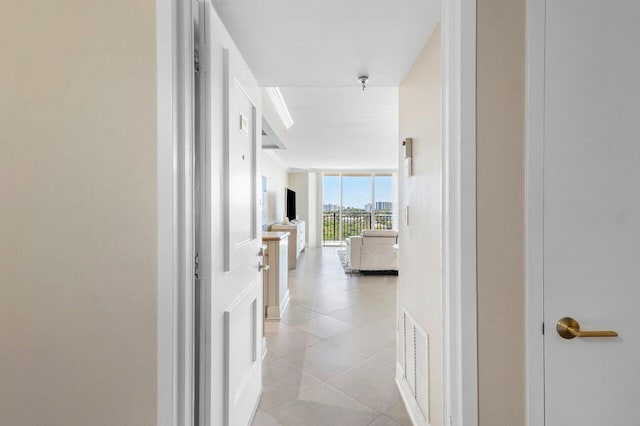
column 329, row 42
column 314, row 51
column 342, row 128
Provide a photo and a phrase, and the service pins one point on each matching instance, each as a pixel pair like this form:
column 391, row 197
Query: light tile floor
column 331, row 359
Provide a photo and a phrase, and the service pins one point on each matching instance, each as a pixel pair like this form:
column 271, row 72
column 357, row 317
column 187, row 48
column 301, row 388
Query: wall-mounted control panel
column 407, row 149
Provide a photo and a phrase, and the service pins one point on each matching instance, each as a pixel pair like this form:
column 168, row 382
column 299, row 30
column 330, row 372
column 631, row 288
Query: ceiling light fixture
column 281, row 106
column 363, row 80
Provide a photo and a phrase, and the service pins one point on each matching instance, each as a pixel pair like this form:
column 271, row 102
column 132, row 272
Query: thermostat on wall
column 407, row 148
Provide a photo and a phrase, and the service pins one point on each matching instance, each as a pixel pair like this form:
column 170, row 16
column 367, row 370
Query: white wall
column 270, row 114
column 299, row 182
column 78, row 147
column 313, row 240
column 420, row 258
column 273, row 168
column 277, row 181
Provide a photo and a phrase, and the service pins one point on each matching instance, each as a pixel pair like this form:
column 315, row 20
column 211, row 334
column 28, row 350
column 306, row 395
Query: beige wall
column 500, row 214
column 77, row 213
column 420, row 260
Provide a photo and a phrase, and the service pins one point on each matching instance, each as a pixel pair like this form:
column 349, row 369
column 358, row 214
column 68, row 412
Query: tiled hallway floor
column 331, row 360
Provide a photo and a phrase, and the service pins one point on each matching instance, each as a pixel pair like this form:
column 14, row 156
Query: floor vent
column 416, row 362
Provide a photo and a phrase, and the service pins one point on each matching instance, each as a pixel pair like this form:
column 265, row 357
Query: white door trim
column 175, row 245
column 534, row 211
column 459, row 212
column 174, row 49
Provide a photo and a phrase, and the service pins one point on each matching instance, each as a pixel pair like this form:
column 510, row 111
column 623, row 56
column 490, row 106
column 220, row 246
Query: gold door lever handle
column 568, row 328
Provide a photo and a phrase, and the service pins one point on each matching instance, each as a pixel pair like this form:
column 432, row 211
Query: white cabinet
column 296, row 230
column 276, row 276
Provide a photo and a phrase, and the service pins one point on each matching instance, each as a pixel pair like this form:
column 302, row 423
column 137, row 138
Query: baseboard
column 255, row 408
column 407, row 397
column 274, row 313
column 285, row 303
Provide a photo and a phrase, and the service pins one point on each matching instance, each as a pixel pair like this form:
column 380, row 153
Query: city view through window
column 352, row 202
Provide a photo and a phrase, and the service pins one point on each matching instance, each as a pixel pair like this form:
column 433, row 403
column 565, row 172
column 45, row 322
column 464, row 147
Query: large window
column 352, row 202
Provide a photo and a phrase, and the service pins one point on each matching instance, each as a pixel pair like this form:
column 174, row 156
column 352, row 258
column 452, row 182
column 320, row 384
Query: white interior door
column 235, row 308
column 592, row 210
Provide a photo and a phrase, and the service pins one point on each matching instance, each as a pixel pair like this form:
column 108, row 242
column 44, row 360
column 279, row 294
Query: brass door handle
column 568, row 328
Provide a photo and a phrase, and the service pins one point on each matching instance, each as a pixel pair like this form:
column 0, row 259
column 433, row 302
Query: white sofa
column 373, row 251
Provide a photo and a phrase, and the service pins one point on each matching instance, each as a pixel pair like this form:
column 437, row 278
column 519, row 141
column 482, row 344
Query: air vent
column 416, row 362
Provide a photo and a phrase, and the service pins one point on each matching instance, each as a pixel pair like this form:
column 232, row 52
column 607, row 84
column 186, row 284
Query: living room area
column 329, row 222
column 332, row 195
column 351, row 248
column 354, row 212
column 330, row 354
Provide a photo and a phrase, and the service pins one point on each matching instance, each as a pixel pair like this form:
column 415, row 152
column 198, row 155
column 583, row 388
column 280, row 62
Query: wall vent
column 416, row 362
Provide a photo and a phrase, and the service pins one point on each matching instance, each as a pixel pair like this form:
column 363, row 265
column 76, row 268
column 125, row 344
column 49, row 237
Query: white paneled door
column 233, row 111
column 591, row 212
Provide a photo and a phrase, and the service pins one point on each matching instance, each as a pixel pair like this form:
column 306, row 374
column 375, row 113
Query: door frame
column 175, row 142
column 175, row 227
column 534, row 211
column 459, row 278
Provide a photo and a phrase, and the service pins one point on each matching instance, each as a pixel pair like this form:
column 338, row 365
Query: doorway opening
column 449, row 210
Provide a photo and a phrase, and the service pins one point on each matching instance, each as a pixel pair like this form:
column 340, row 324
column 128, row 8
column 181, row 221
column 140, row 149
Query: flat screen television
column 291, row 204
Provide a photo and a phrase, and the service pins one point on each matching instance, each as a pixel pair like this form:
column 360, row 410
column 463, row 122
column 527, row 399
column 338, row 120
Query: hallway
column 331, row 360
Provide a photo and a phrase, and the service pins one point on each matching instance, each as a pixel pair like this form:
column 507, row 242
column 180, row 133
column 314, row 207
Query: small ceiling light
column 363, row 80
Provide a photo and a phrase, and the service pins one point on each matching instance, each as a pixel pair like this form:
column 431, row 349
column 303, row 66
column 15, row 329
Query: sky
column 356, row 191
